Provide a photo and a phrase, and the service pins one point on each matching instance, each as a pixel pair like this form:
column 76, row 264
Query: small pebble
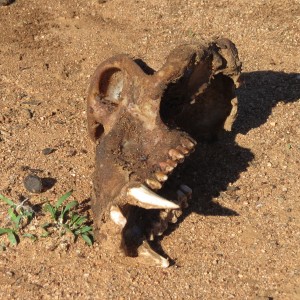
column 27, row 113
column 10, row 273
column 232, row 188
column 33, row 184
column 48, row 151
column 31, row 102
column 71, row 153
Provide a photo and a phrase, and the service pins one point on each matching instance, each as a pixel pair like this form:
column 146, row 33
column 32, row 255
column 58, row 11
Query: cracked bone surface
column 146, row 122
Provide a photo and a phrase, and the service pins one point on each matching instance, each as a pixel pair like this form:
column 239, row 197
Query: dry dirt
column 240, row 236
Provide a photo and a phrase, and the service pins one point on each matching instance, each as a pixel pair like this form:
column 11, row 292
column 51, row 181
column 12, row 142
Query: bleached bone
column 117, row 216
column 150, row 257
column 147, row 199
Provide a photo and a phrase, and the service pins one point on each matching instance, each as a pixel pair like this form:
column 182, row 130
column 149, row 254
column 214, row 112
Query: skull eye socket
column 111, row 85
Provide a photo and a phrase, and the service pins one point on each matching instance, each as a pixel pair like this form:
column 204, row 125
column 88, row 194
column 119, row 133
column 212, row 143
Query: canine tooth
column 160, row 176
column 153, row 184
column 166, row 167
column 149, row 200
column 175, row 154
column 183, row 150
column 186, row 189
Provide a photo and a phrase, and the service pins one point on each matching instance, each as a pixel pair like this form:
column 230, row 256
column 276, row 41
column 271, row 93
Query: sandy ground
column 240, row 236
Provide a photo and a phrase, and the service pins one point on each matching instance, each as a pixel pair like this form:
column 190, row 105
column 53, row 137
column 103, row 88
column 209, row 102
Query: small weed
column 64, row 219
column 67, row 221
column 19, row 216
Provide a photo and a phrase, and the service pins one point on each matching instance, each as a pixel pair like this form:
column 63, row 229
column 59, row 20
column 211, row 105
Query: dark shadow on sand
column 215, row 167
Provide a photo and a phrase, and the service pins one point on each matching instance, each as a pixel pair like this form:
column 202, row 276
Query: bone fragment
column 148, row 256
column 117, row 216
column 153, row 184
column 147, row 199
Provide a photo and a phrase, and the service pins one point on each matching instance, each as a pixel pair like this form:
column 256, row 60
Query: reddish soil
column 240, row 236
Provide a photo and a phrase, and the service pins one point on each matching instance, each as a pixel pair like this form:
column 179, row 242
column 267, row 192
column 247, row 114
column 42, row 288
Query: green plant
column 65, row 219
column 19, row 216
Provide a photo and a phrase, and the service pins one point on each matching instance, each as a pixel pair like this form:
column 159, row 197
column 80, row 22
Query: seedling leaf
column 8, row 201
column 31, row 236
column 48, row 207
column 16, row 219
column 12, row 237
column 63, row 198
column 5, row 230
column 45, row 234
column 83, row 230
column 68, row 207
column 45, row 225
column 87, row 239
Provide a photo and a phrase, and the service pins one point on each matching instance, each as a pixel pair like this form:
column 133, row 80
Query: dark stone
column 48, row 151
column 33, row 184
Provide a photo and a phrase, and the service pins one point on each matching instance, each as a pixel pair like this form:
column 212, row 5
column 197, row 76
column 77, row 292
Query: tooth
column 182, row 199
column 150, row 257
column 164, row 213
column 183, row 150
column 117, row 216
column 188, row 144
column 172, row 217
column 178, row 213
column 181, row 196
column 172, row 163
column 175, row 154
column 149, row 200
column 156, row 229
column 166, row 167
column 160, row 176
column 168, row 215
column 186, row 189
column 153, row 184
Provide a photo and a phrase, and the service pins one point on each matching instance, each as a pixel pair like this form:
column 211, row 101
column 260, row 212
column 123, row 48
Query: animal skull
column 144, row 124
